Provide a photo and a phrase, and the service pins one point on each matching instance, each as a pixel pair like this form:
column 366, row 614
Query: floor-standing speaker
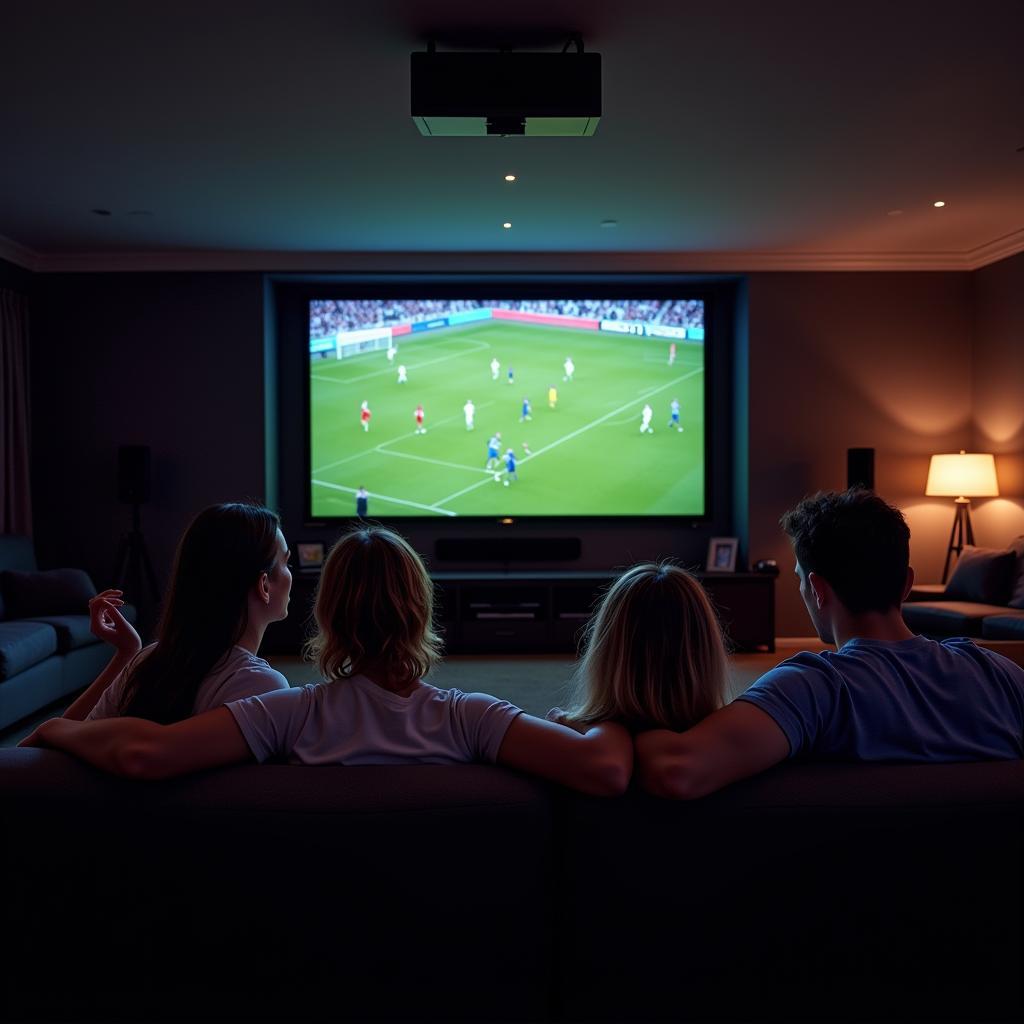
column 860, row 468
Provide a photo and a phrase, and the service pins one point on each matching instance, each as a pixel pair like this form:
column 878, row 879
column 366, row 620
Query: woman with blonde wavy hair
column 374, row 643
column 653, row 656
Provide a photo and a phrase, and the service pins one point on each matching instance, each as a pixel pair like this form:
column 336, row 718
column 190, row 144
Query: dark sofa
column 984, row 597
column 471, row 893
column 46, row 649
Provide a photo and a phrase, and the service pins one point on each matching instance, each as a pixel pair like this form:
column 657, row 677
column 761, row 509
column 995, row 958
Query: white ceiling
column 734, row 135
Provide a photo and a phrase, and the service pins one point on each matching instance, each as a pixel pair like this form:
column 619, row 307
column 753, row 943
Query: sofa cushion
column 24, row 644
column 72, row 631
column 984, row 575
column 948, row 618
column 28, row 595
column 1008, row 626
column 1017, row 596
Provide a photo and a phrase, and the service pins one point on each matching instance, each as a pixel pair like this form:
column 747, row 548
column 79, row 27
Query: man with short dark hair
column 884, row 694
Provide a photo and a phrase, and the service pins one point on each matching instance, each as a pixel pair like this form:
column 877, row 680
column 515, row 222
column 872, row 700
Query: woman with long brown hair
column 230, row 581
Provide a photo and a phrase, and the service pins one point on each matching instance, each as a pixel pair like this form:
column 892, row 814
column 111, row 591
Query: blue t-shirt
column 913, row 700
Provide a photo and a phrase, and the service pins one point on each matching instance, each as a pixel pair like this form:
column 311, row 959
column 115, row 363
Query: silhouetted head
column 854, row 540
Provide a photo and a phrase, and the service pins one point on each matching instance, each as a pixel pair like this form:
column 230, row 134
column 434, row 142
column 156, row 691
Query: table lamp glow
column 964, row 476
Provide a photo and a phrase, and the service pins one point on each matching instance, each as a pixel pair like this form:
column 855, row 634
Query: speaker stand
column 961, row 534
column 134, row 569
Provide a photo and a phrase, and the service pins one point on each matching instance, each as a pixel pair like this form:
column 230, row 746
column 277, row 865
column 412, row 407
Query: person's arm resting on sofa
column 140, row 749
column 598, row 762
column 738, row 741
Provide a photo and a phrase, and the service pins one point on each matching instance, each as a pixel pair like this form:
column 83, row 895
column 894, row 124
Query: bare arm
column 598, row 762
column 139, row 749
column 107, row 624
column 733, row 743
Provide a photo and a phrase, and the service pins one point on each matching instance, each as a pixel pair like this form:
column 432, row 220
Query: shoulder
column 805, row 666
column 965, row 648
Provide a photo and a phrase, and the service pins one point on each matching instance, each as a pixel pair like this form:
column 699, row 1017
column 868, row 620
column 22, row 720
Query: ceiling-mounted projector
column 506, row 93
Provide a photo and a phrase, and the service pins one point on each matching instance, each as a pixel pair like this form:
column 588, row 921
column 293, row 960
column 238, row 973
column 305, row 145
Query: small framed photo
column 311, row 555
column 722, row 554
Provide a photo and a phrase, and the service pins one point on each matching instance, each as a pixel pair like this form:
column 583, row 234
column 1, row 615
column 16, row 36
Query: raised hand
column 106, row 623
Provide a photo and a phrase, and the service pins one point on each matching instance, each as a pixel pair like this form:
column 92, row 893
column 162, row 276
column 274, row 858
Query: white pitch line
column 385, row 497
column 577, row 432
column 390, row 371
column 348, row 458
column 436, row 462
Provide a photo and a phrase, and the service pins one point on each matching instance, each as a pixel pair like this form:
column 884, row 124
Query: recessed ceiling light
column 609, row 223
column 895, row 213
column 507, row 224
column 938, row 203
column 510, row 177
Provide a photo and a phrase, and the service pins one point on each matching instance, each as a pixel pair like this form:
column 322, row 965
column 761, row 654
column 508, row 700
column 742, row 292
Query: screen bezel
column 295, row 296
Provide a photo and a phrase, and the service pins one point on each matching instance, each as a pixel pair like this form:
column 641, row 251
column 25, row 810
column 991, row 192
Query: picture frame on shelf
column 722, row 554
column 310, row 555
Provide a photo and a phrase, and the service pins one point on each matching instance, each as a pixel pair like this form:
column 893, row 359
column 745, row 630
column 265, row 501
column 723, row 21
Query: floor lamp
column 963, row 476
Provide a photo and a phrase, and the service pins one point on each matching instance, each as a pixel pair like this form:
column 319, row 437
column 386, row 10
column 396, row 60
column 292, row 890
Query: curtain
column 15, row 497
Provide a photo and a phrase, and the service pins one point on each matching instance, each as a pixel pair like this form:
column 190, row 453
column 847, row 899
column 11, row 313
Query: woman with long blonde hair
column 653, row 655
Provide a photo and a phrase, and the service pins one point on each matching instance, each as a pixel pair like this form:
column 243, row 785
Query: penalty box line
column 385, row 497
column 580, row 430
column 394, row 440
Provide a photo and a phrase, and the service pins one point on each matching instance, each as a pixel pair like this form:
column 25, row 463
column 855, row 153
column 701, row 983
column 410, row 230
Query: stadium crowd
column 328, row 316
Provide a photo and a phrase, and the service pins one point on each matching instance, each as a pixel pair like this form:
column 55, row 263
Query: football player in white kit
column 645, row 420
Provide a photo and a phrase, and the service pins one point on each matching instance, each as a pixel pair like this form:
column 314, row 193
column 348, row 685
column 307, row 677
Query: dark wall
column 841, row 360
column 173, row 361
column 15, row 278
column 998, row 393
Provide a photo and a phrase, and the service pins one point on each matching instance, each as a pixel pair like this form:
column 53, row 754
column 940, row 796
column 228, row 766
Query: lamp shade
column 967, row 475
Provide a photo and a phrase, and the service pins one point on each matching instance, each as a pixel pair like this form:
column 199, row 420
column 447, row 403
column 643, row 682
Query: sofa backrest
column 426, row 892
column 274, row 891
column 16, row 554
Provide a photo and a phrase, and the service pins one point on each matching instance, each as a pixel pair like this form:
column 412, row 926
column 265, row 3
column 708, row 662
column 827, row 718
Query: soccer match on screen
column 506, row 408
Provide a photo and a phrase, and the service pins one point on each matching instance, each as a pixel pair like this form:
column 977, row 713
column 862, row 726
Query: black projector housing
column 508, row 93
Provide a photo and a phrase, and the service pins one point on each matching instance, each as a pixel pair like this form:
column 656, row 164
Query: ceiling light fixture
column 609, row 223
column 507, row 224
column 510, row 177
column 938, row 204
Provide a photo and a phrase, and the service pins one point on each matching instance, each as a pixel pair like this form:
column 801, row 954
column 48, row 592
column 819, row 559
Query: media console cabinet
column 544, row 612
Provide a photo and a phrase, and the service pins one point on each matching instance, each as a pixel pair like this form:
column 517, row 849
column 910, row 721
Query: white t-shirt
column 240, row 673
column 355, row 721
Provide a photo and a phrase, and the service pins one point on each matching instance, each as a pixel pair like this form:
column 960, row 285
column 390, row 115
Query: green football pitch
column 586, row 456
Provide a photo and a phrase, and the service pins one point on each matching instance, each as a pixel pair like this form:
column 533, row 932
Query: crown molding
column 23, row 257
column 996, row 250
column 269, row 261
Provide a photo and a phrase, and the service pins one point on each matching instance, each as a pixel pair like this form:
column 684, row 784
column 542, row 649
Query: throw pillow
column 982, row 575
column 1017, row 597
column 57, row 592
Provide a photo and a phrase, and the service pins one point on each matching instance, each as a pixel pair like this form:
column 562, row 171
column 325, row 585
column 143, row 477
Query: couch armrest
column 927, row 592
